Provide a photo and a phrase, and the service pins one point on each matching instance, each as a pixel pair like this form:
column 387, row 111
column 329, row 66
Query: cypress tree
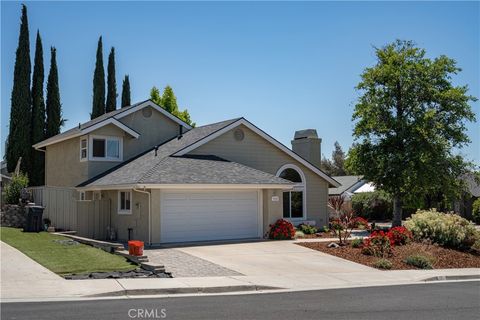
column 126, row 92
column 19, row 137
column 98, row 106
column 54, row 107
column 111, row 83
column 37, row 171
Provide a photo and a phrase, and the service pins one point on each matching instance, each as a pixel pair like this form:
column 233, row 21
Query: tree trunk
column 397, row 211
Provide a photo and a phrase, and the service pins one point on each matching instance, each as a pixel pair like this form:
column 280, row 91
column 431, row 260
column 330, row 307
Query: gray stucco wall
column 256, row 152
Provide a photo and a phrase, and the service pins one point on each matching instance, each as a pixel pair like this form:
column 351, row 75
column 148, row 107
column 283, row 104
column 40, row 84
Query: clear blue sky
column 282, row 65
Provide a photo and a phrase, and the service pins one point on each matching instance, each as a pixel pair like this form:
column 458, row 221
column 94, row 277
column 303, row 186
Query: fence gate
column 93, row 218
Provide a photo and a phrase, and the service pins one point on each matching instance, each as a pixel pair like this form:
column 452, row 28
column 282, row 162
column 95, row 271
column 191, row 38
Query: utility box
column 33, row 221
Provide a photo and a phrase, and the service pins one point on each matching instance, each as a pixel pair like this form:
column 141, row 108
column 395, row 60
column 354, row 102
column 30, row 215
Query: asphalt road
column 455, row 300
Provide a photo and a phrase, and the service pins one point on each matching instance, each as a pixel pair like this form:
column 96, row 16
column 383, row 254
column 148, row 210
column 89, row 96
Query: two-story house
column 168, row 182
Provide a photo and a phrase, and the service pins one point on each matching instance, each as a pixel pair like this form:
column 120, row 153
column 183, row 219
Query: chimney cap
column 305, row 134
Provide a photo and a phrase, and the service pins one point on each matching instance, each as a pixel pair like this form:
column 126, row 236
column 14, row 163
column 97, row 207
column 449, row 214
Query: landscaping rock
column 333, row 245
column 13, row 216
column 138, row 273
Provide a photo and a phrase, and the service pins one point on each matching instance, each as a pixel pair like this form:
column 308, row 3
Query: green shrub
column 448, row 230
column 357, row 243
column 375, row 205
column 476, row 211
column 476, row 246
column 307, row 229
column 325, row 229
column 383, row 264
column 12, row 190
column 419, row 261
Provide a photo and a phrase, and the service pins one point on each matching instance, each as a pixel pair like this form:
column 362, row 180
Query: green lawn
column 60, row 258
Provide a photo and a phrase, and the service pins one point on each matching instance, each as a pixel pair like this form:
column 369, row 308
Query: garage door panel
column 209, row 215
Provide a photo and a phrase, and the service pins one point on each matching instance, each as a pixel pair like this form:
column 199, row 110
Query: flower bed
column 443, row 258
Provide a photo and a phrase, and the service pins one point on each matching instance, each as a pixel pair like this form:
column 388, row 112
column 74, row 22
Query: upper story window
column 83, row 149
column 106, row 148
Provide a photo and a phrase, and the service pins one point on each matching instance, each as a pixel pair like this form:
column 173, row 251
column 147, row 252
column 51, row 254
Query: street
column 455, row 300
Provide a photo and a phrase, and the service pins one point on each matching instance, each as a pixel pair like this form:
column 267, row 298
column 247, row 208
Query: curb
column 185, row 290
column 447, row 278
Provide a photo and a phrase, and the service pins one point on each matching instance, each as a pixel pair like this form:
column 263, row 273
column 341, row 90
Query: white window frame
column 301, row 186
column 124, row 211
column 82, row 196
column 106, row 158
column 85, row 148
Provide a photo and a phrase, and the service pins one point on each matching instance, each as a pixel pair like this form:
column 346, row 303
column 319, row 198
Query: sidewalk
column 23, row 279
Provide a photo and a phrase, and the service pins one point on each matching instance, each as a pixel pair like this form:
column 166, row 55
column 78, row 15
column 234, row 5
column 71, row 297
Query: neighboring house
column 464, row 205
column 168, row 182
column 350, row 185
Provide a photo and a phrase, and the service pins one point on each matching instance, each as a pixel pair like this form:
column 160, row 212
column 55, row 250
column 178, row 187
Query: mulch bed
column 443, row 258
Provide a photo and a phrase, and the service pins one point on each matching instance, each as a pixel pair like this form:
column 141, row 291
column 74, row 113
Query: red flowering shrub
column 281, row 230
column 378, row 244
column 400, row 235
column 360, row 223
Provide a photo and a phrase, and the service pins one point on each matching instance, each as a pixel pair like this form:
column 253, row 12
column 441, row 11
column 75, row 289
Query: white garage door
column 209, row 215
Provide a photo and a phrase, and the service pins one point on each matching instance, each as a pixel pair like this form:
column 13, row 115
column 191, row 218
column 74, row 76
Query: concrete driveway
column 273, row 258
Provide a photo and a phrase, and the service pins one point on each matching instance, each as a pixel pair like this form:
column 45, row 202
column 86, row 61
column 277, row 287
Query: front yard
column 441, row 258
column 62, row 256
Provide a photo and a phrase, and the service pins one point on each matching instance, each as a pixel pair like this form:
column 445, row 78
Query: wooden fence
column 89, row 218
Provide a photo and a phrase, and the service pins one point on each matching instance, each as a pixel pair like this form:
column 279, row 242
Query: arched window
column 293, row 200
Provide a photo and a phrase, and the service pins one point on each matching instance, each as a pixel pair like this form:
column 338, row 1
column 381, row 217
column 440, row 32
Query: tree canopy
column 37, row 171
column 409, row 122
column 19, row 136
column 336, row 165
column 126, row 92
column 98, row 103
column 168, row 101
column 111, row 103
column 53, row 106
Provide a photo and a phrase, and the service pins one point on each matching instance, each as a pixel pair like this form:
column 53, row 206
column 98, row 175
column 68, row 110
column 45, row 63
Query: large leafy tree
column 37, row 171
column 19, row 136
column 126, row 92
column 54, row 107
column 98, row 105
column 336, row 165
column 168, row 101
column 409, row 120
column 111, row 83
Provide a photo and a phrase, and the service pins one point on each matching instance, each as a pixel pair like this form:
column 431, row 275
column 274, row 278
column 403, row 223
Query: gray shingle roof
column 162, row 168
column 85, row 125
column 346, row 183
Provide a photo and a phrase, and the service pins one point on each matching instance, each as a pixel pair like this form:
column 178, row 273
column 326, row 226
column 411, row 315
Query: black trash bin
column 33, row 222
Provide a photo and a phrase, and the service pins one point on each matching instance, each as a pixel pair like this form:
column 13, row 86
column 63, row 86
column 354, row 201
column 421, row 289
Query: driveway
column 268, row 258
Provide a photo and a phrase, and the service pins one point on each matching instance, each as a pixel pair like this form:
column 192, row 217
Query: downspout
column 149, row 213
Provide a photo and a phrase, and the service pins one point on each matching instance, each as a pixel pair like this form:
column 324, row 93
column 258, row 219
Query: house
column 464, row 204
column 350, row 185
column 168, row 182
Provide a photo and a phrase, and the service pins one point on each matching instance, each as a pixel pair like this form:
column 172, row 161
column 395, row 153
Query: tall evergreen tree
column 98, row 106
column 19, row 137
column 37, row 169
column 126, row 92
column 54, row 107
column 111, row 83
column 169, row 101
column 335, row 166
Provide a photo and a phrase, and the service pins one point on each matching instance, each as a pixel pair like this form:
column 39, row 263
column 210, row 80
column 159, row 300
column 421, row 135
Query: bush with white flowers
column 446, row 229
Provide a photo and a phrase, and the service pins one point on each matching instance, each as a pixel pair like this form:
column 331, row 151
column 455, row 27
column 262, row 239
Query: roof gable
column 264, row 135
column 110, row 118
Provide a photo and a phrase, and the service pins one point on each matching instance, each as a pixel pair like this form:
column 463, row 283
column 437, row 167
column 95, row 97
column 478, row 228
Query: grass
column 60, row 258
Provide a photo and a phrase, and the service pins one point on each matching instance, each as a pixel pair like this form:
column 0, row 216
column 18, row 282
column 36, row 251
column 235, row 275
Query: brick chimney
column 306, row 144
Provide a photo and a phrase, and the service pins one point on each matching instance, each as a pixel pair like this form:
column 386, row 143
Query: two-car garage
column 203, row 215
